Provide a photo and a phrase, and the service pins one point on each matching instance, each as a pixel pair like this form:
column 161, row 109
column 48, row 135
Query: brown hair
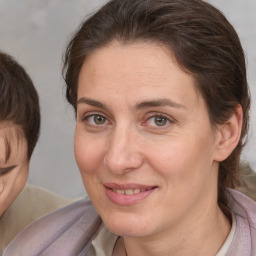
column 19, row 103
column 204, row 43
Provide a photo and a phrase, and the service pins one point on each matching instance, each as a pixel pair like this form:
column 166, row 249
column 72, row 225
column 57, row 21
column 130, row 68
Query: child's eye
column 5, row 170
column 96, row 119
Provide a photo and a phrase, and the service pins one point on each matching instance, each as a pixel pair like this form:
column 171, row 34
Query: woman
column 161, row 99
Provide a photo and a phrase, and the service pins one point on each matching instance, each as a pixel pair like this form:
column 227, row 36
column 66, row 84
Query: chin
column 123, row 225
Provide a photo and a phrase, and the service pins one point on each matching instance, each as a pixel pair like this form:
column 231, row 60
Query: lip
column 130, row 199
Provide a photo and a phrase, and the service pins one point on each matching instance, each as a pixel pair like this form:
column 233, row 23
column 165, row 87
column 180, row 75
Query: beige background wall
column 36, row 32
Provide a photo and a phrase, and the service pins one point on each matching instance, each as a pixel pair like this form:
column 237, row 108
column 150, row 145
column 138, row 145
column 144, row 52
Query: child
column 19, row 132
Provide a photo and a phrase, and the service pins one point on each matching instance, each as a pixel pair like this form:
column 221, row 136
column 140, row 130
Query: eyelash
column 162, row 116
column 6, row 170
column 93, row 115
column 107, row 122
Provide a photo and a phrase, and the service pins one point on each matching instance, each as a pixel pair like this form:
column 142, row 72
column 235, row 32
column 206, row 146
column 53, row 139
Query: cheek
column 182, row 158
column 20, row 179
column 12, row 185
column 88, row 154
column 169, row 157
column 89, row 158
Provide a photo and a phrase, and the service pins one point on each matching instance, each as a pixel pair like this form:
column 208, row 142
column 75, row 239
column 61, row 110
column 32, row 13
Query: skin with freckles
column 14, row 170
column 147, row 152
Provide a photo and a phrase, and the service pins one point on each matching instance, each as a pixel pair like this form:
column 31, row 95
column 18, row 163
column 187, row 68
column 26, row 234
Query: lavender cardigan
column 70, row 230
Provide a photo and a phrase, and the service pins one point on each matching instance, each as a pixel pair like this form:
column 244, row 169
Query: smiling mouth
column 129, row 191
column 128, row 194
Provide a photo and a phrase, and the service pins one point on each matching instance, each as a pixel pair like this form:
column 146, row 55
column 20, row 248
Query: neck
column 186, row 239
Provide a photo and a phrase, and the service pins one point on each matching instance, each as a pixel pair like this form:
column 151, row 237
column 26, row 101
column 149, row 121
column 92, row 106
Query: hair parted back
column 19, row 102
column 203, row 42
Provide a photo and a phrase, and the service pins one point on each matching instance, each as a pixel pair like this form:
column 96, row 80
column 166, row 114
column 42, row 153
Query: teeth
column 136, row 191
column 120, row 192
column 129, row 191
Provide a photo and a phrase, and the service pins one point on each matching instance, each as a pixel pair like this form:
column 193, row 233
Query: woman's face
column 143, row 142
column 14, row 169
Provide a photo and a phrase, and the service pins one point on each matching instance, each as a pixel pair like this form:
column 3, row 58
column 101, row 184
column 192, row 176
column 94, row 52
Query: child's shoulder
column 63, row 231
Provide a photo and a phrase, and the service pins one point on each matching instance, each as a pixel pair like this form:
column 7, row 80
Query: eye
column 5, row 170
column 96, row 119
column 158, row 121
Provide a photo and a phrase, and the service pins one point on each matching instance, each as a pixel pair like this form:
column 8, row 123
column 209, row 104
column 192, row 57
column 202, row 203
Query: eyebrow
column 138, row 106
column 93, row 103
column 158, row 103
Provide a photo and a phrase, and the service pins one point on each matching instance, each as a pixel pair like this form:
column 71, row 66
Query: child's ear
column 229, row 135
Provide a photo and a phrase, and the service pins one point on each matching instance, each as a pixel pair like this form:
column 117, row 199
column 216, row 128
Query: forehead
column 12, row 142
column 117, row 60
column 144, row 68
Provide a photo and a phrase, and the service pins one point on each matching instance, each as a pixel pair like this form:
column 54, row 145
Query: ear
column 229, row 135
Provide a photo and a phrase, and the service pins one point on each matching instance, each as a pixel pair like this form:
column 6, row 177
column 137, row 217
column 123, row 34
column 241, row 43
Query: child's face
column 13, row 168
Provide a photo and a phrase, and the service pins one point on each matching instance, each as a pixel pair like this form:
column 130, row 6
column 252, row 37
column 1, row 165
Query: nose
column 123, row 154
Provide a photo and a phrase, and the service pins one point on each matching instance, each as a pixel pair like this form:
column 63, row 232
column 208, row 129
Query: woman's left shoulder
column 242, row 205
column 244, row 209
